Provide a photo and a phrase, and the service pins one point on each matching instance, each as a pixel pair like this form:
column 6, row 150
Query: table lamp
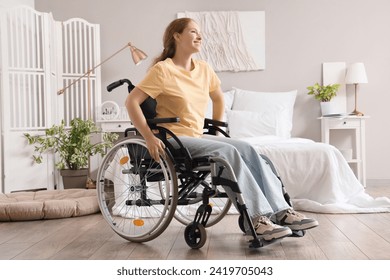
column 356, row 74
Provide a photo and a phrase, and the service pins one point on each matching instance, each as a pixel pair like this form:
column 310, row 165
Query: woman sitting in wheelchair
column 182, row 87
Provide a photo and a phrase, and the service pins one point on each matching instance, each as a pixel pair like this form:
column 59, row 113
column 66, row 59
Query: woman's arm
column 133, row 106
column 218, row 104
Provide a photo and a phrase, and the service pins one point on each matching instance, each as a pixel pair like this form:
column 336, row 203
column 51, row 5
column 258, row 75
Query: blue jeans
column 260, row 187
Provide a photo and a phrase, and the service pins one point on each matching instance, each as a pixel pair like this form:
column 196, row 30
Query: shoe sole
column 302, row 226
column 276, row 235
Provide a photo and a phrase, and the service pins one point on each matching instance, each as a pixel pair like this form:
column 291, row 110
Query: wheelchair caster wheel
column 241, row 223
column 195, row 236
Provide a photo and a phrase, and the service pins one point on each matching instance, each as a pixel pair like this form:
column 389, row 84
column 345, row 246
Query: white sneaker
column 268, row 230
column 295, row 220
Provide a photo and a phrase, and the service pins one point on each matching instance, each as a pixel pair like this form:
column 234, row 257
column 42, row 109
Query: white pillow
column 279, row 105
column 250, row 124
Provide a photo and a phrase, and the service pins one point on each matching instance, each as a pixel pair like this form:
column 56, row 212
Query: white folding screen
column 38, row 57
column 80, row 48
column 25, row 69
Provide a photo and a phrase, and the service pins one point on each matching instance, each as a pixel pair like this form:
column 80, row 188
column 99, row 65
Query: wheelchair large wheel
column 219, row 202
column 137, row 196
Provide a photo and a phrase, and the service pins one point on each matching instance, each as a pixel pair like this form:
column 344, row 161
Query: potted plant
column 74, row 147
column 324, row 94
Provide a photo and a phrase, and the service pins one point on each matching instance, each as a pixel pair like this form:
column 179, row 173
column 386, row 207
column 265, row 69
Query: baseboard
column 378, row 183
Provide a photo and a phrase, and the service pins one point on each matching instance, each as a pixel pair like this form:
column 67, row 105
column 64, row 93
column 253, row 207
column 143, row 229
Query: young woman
column 182, row 87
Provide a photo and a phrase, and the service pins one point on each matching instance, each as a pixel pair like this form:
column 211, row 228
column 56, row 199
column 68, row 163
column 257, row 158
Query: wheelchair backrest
column 148, row 108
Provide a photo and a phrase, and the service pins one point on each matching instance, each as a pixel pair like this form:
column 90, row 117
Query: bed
column 316, row 175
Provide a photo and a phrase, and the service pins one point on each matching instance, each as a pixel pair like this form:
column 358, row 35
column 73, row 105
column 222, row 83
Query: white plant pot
column 328, row 108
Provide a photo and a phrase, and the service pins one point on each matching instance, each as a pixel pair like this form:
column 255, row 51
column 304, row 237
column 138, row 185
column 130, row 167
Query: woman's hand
column 155, row 147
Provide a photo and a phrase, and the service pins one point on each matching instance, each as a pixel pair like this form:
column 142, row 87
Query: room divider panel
column 80, row 42
column 38, row 56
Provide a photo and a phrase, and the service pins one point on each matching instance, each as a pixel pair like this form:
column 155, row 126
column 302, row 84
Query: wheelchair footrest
column 260, row 242
column 256, row 243
column 298, row 233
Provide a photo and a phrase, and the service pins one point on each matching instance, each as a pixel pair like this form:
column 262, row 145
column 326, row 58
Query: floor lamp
column 356, row 74
column 137, row 55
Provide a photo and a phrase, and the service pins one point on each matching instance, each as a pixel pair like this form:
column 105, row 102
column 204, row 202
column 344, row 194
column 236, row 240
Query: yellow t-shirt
column 181, row 93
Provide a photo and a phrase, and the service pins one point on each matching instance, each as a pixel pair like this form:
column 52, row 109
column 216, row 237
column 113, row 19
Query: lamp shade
column 356, row 74
column 137, row 55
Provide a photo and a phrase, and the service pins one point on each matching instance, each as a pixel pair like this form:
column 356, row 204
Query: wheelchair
column 138, row 196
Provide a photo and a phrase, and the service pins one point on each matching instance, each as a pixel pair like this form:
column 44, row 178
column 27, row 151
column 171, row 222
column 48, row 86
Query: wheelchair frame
column 138, row 196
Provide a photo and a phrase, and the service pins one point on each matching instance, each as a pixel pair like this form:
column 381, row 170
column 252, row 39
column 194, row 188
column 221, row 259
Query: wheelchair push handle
column 119, row 83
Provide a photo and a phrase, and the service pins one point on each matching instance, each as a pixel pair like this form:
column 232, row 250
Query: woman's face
column 190, row 39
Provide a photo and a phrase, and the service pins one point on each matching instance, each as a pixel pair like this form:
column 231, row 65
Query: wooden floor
column 339, row 237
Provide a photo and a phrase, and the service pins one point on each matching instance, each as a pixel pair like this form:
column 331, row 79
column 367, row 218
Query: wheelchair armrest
column 152, row 124
column 163, row 120
column 211, row 122
column 214, row 126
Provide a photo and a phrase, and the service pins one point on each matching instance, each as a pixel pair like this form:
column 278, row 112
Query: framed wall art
column 232, row 40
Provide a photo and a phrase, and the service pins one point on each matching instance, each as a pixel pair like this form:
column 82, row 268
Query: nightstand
column 356, row 155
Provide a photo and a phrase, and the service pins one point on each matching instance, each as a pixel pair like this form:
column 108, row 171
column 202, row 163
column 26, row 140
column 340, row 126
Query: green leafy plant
column 323, row 93
column 73, row 144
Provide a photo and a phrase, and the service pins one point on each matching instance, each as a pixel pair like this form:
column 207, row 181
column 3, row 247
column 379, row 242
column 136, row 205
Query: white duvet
column 317, row 177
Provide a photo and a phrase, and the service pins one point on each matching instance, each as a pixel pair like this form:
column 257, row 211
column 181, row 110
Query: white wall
column 11, row 3
column 300, row 36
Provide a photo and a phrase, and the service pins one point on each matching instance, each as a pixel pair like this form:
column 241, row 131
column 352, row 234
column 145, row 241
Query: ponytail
column 169, row 43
